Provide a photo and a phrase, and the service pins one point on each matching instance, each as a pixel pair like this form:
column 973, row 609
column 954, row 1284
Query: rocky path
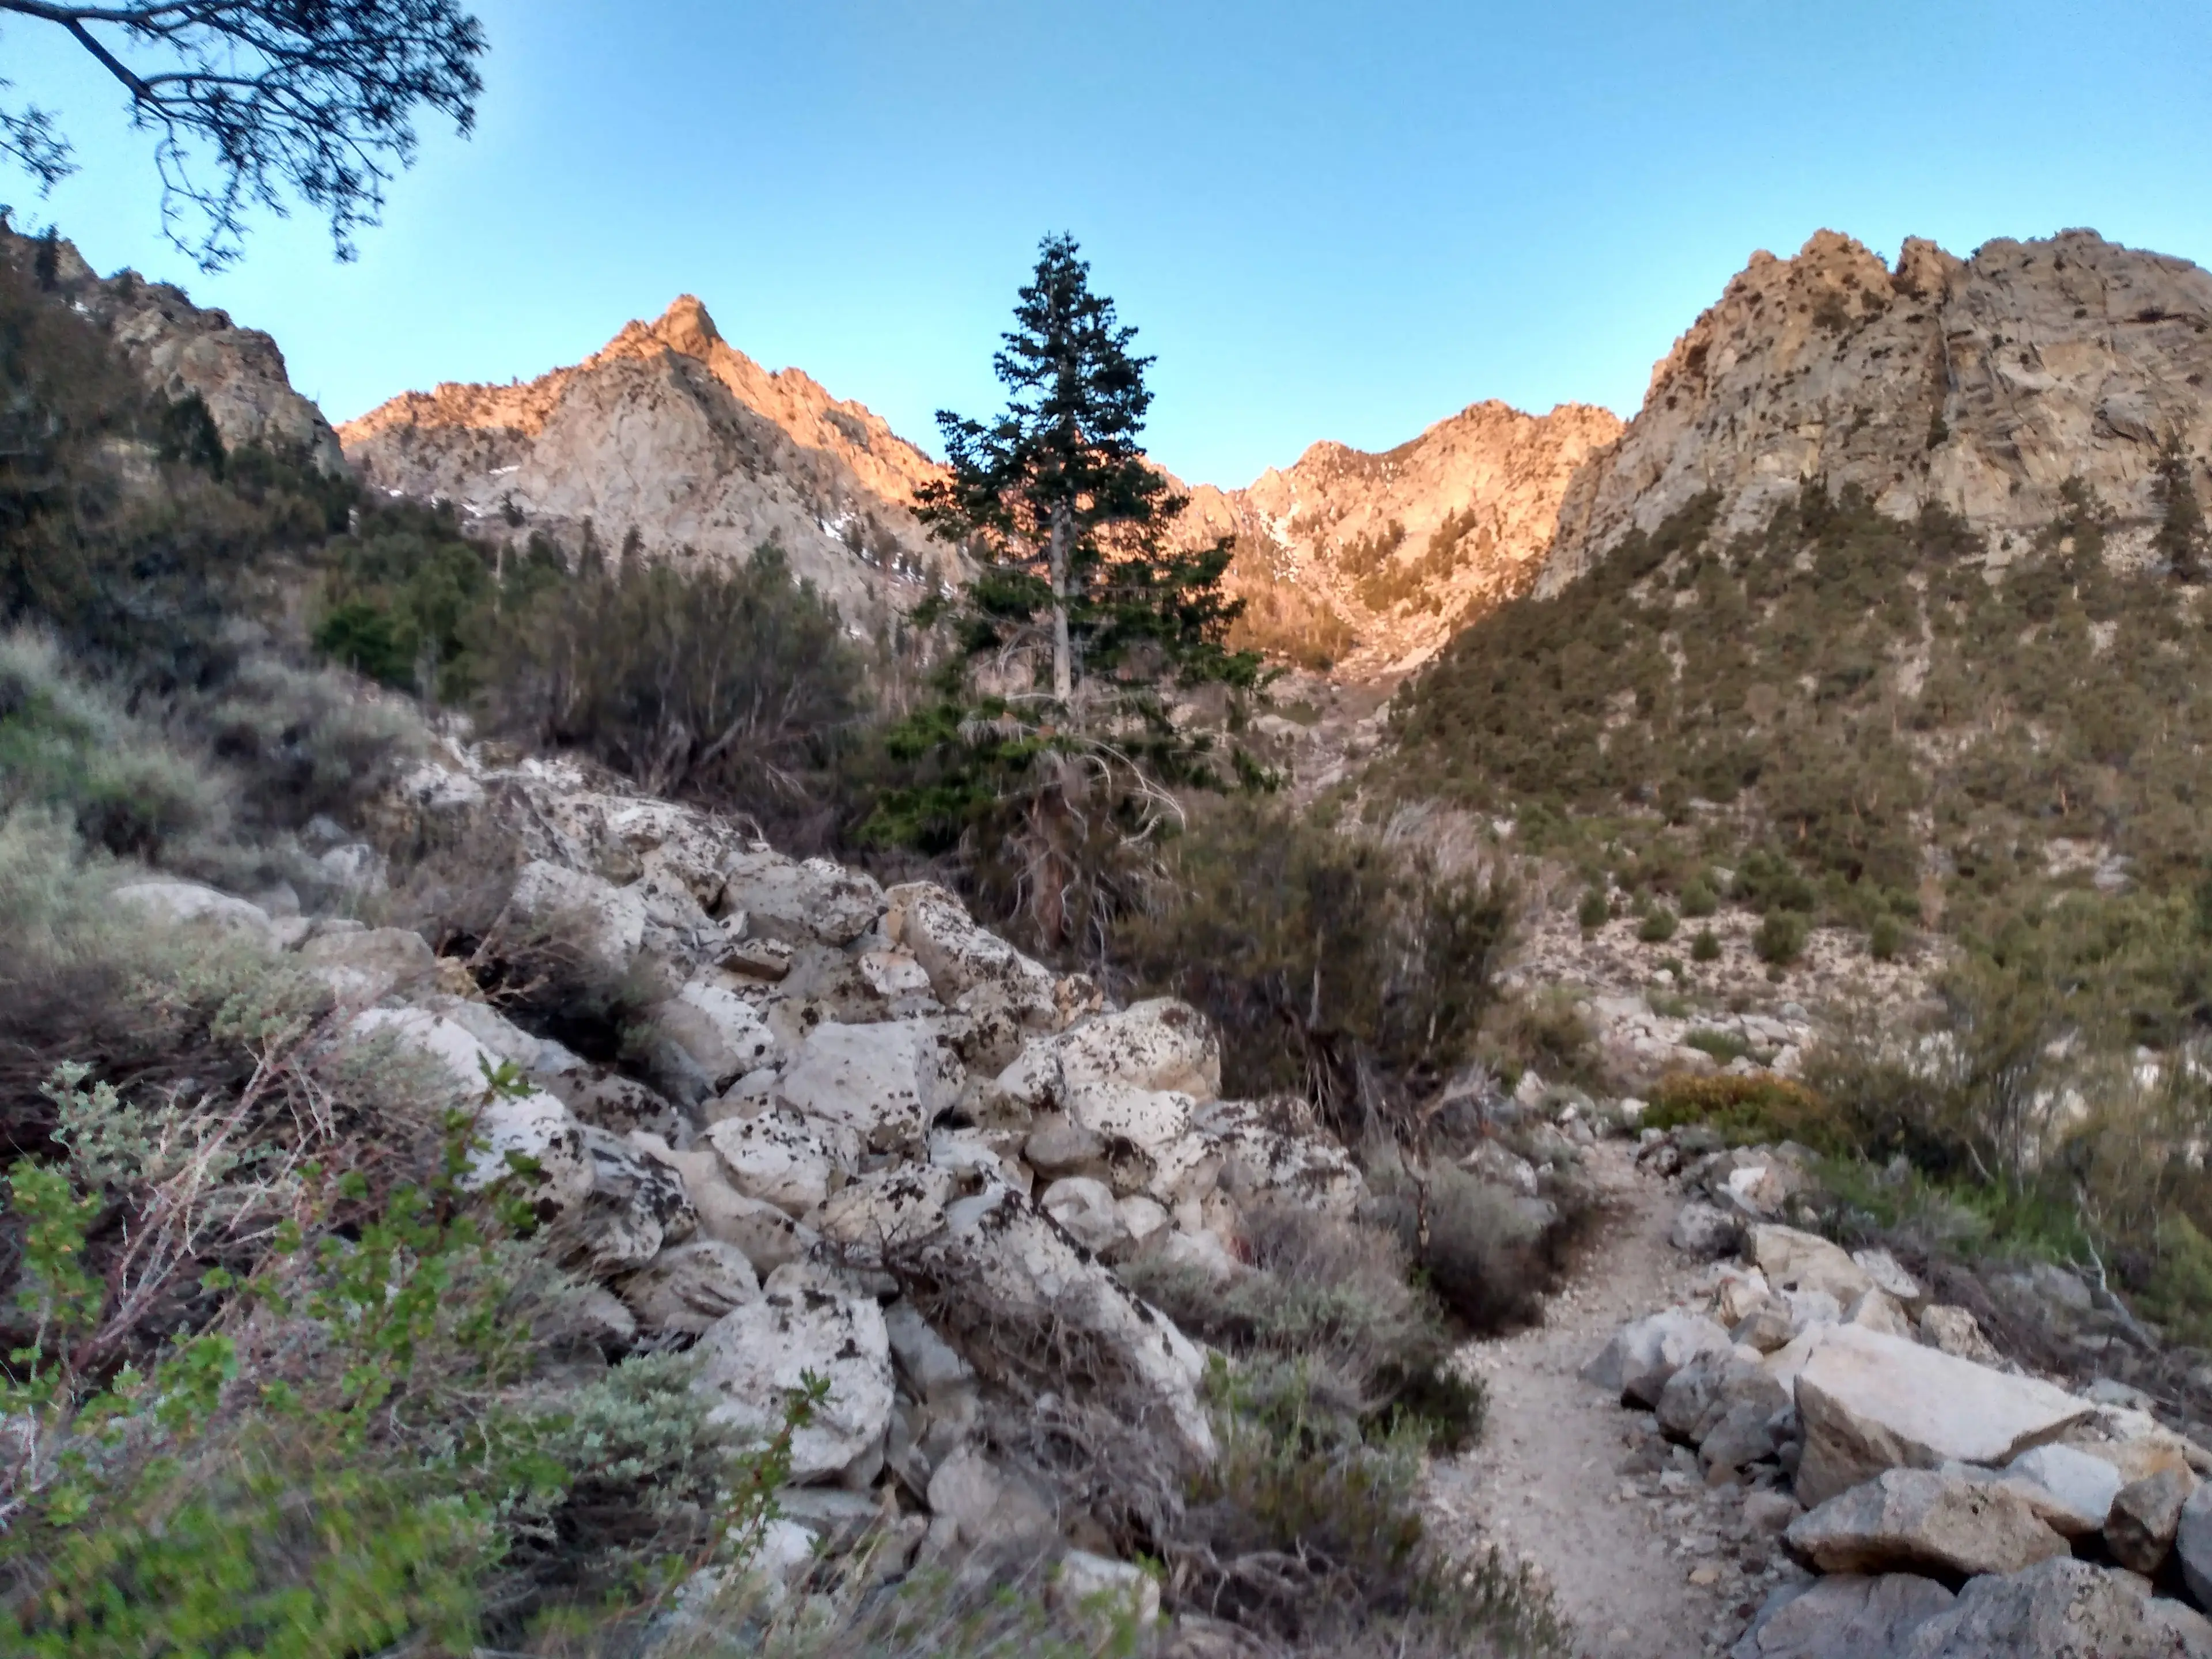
column 1644, row 1560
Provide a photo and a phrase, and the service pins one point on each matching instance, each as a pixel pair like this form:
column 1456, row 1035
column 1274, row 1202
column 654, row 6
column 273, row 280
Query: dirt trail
column 1644, row 1563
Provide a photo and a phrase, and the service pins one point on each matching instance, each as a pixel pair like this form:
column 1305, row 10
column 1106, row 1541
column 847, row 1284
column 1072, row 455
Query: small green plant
column 1705, row 947
column 1595, row 911
column 1723, row 1045
column 1781, row 937
column 1657, row 925
column 1885, row 939
column 1699, row 901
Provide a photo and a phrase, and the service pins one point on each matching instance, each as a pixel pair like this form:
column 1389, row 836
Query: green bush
column 1747, row 1110
column 1781, row 937
column 1885, row 939
column 1595, row 911
column 1705, row 947
column 1322, row 954
column 1657, row 925
column 1723, row 1045
column 1699, row 901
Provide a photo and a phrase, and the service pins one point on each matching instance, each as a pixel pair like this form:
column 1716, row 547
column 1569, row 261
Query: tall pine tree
column 1049, row 753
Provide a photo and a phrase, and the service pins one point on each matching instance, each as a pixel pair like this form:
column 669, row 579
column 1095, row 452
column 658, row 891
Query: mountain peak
column 686, row 327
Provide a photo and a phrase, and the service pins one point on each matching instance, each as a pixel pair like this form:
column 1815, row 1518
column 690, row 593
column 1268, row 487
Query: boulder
column 534, row 1125
column 1059, row 1147
column 1147, row 1222
column 721, row 1034
column 1015, row 1267
column 884, row 1215
column 2193, row 1544
column 1890, row 1278
column 1925, row 1520
column 1869, row 1402
column 1804, row 1262
column 1955, row 1332
column 606, row 923
column 2060, row 1609
column 767, row 1234
column 189, row 905
column 1642, row 1355
column 958, row 959
column 1877, row 1310
column 684, row 1290
column 1263, row 1154
column 1163, row 1045
column 885, row 1082
column 1087, row 1209
column 800, row 901
column 635, row 1206
column 788, row 1160
column 1768, row 1326
column 1704, row 1233
column 2146, row 1514
column 1148, row 1118
column 1490, row 1162
column 1847, row 1616
column 371, row 964
column 807, row 1319
column 933, row 1371
column 1100, row 1586
column 982, row 1503
column 2085, row 1483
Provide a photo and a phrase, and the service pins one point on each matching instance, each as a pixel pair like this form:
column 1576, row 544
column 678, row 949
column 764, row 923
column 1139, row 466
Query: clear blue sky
column 1328, row 221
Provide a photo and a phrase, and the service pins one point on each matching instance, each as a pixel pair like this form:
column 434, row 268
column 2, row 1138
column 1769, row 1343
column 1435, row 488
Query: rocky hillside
column 180, row 350
column 671, row 432
column 1982, row 385
column 1371, row 561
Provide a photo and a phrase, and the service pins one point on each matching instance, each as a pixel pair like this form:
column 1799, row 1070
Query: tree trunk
column 1063, row 652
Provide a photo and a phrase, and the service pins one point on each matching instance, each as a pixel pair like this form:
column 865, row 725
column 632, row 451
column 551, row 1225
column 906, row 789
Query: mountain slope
column 1982, row 384
column 671, row 432
column 1372, row 560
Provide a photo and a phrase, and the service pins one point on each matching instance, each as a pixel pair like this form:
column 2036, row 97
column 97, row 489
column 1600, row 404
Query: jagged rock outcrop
column 671, row 432
column 179, row 349
column 1982, row 383
column 1403, row 546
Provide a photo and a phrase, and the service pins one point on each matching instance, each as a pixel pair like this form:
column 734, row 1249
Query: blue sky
column 1328, row 221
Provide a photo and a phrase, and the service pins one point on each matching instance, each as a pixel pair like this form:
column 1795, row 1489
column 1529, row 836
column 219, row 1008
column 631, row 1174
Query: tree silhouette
column 249, row 101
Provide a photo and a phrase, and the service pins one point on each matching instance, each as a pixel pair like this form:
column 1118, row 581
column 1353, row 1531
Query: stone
column 886, row 1083
column 614, row 1102
column 933, row 1369
column 1955, row 1332
column 957, row 958
column 686, row 1289
column 787, row 1160
column 721, row 1033
column 1644, row 1354
column 1159, row 1046
column 2145, row 1516
column 2085, row 1483
column 2060, row 1609
column 1877, row 1310
column 1147, row 1222
column 895, row 975
column 1263, row 1153
column 1768, row 1326
column 635, row 1205
column 886, row 1215
column 1087, row 1209
column 1098, row 1585
column 1147, row 1118
column 987, row 1504
column 1060, row 1147
column 1891, row 1279
column 371, row 964
column 1492, row 1162
column 534, row 1125
column 1738, row 1294
column 189, row 905
column 2193, row 1544
column 800, row 901
column 1796, row 1261
column 1869, row 1402
column 806, row 1319
column 1924, row 1520
column 1769, row 1511
column 1013, row 1260
column 1847, row 1616
column 1704, row 1233
column 606, row 922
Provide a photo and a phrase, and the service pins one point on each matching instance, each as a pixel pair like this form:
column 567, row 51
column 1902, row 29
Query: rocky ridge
column 180, row 350
column 1982, row 384
column 1401, row 547
column 671, row 432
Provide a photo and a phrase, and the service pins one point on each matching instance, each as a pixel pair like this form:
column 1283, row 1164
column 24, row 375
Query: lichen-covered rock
column 1265, row 1154
column 959, row 958
column 686, row 1289
column 721, row 1033
column 807, row 1319
column 635, row 1206
column 784, row 1158
column 1163, row 1046
column 607, row 922
column 886, row 1084
column 1087, row 1209
column 1925, row 1520
column 796, row 900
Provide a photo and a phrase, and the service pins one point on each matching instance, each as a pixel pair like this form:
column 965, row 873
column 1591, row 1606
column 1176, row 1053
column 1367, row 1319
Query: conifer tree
column 1049, row 748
